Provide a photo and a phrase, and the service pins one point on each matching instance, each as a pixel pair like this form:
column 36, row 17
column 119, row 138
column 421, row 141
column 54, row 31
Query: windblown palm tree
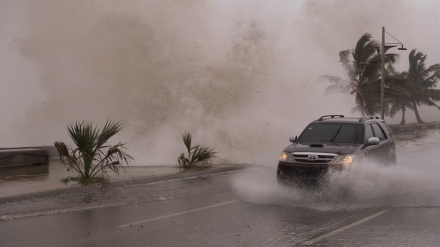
column 422, row 81
column 363, row 75
column 92, row 154
column 398, row 96
column 196, row 154
column 413, row 88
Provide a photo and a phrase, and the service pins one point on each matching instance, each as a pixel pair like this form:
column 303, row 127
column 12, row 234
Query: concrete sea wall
column 397, row 128
column 25, row 156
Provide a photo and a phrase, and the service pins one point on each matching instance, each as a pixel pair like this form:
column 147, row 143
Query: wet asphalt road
column 212, row 218
column 369, row 206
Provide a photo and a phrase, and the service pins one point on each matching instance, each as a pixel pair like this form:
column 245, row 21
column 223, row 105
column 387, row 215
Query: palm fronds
column 196, row 155
column 92, row 154
column 362, row 66
column 187, row 138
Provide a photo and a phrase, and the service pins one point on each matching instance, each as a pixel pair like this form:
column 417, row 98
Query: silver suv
column 334, row 142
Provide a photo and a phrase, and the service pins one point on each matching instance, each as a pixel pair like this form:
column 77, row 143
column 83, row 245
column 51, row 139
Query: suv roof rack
column 330, row 116
column 363, row 119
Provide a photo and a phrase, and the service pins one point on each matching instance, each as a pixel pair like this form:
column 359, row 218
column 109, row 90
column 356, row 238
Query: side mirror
column 293, row 139
column 373, row 140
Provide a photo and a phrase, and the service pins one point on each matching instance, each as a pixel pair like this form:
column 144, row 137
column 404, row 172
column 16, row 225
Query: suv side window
column 378, row 132
column 368, row 132
column 386, row 129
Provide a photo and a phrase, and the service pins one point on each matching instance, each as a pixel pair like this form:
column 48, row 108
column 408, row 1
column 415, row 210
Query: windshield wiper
column 337, row 132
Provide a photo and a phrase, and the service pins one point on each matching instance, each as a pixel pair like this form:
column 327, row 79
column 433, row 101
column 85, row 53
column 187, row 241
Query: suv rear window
column 386, row 129
column 378, row 132
column 332, row 133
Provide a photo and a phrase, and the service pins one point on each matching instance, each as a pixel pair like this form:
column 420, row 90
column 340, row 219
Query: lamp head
column 402, row 48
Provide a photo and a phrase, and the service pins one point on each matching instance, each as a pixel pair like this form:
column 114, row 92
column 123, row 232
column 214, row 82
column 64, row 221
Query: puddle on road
column 413, row 182
column 30, row 179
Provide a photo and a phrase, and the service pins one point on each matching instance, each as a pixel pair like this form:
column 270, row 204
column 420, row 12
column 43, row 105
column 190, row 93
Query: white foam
column 413, row 182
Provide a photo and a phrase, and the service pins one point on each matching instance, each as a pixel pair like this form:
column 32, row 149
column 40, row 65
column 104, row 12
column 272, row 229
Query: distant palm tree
column 363, row 75
column 398, row 96
column 196, row 154
column 412, row 88
column 92, row 154
column 422, row 82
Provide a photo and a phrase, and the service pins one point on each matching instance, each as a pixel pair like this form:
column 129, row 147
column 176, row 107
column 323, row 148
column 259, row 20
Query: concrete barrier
column 413, row 127
column 10, row 157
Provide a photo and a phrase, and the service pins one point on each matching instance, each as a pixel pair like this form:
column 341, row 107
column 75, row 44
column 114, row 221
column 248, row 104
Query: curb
column 122, row 183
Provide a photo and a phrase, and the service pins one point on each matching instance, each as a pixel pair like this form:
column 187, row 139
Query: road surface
column 368, row 205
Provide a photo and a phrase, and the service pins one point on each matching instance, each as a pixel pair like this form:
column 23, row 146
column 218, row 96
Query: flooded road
column 367, row 205
column 31, row 179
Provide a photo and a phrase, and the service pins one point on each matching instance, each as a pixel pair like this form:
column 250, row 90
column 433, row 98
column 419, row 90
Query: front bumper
column 310, row 175
column 301, row 170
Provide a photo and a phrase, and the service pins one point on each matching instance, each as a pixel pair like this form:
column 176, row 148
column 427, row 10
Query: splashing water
column 413, row 182
column 234, row 73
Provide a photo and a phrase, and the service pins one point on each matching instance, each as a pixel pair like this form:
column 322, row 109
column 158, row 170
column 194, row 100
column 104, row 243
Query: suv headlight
column 344, row 160
column 283, row 156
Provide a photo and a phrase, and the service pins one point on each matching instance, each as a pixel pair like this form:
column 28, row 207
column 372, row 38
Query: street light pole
column 382, row 82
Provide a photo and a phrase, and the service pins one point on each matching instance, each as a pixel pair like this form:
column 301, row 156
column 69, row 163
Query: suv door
column 370, row 151
column 390, row 145
column 383, row 149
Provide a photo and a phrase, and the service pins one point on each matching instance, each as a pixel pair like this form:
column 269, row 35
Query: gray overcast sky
column 227, row 70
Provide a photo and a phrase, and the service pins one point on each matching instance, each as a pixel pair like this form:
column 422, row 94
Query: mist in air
column 413, row 182
column 240, row 75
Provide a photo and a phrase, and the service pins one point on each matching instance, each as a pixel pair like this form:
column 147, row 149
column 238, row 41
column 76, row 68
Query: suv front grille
column 312, row 158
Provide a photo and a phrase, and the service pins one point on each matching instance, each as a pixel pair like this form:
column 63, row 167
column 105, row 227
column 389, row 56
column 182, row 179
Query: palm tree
column 414, row 87
column 398, row 96
column 196, row 155
column 363, row 75
column 92, row 154
column 422, row 82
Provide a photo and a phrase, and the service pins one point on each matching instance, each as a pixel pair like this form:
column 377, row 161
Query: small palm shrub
column 92, row 155
column 197, row 155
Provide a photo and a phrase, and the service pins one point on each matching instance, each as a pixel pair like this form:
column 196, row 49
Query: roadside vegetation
column 197, row 156
column 416, row 86
column 403, row 90
column 93, row 156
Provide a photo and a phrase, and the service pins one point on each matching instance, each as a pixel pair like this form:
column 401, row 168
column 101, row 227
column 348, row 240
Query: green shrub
column 92, row 155
column 197, row 155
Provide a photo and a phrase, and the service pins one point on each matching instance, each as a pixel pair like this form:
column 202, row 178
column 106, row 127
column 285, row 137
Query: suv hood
column 326, row 148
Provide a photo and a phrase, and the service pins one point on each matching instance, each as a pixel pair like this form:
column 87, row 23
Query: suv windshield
column 332, row 133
